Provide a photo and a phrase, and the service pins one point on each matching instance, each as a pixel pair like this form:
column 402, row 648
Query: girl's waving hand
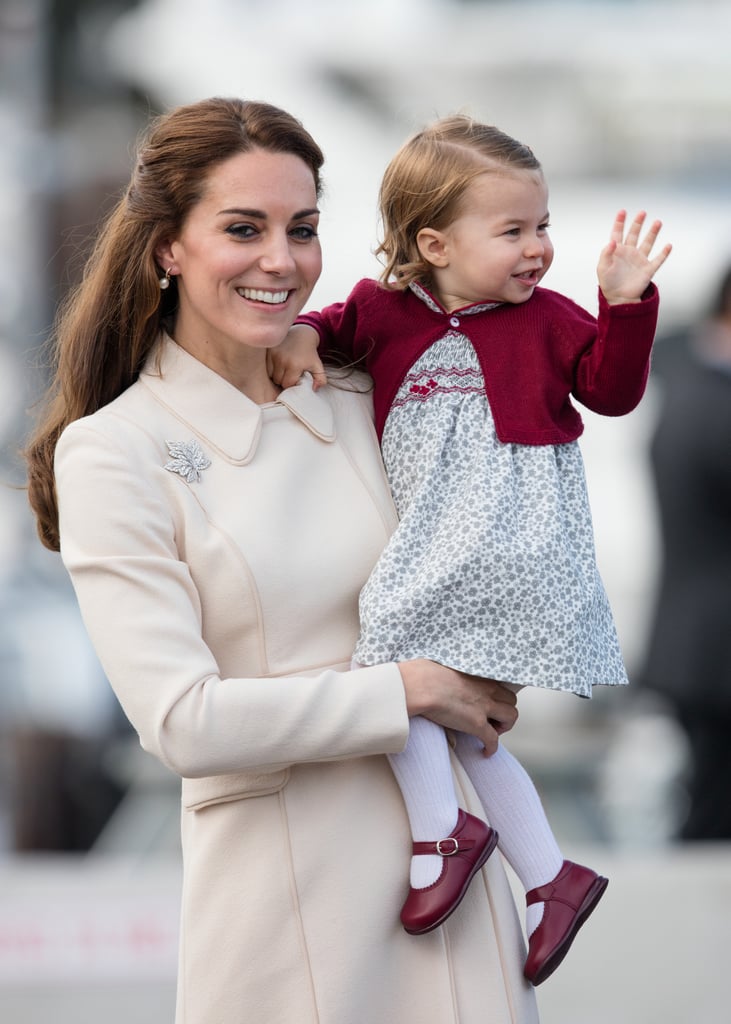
column 625, row 266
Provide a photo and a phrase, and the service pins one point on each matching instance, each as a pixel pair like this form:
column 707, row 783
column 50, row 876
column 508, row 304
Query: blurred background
column 628, row 105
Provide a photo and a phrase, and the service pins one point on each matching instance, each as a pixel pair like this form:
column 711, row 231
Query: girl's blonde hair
column 425, row 182
column 108, row 325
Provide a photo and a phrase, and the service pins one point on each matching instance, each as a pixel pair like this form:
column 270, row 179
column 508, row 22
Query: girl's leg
column 424, row 775
column 513, row 807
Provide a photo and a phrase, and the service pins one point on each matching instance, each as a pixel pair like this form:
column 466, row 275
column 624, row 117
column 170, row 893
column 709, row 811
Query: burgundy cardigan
column 534, row 355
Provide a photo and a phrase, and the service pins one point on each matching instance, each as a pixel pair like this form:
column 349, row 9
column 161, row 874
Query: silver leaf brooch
column 188, row 459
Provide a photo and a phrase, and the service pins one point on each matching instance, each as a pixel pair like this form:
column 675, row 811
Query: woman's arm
column 120, row 542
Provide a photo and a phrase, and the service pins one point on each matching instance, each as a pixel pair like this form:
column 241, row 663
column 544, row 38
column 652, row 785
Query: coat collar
column 218, row 413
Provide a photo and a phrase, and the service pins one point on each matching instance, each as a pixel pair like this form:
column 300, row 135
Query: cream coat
column 224, row 611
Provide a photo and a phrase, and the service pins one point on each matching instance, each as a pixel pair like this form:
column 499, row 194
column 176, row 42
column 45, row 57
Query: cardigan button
column 454, row 321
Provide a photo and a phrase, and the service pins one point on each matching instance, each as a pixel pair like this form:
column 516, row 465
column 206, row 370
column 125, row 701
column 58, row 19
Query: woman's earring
column 164, row 282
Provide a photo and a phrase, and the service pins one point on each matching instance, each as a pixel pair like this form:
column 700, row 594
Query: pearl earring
column 164, row 282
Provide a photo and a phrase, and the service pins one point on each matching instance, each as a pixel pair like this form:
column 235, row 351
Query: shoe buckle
column 447, row 853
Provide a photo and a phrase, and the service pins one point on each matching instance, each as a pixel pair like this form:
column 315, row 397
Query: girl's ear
column 433, row 247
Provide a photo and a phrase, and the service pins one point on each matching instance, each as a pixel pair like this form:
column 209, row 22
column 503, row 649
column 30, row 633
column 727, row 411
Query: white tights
column 506, row 791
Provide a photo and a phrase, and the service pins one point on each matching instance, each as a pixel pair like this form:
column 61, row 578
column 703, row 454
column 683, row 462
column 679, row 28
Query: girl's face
column 246, row 260
column 497, row 249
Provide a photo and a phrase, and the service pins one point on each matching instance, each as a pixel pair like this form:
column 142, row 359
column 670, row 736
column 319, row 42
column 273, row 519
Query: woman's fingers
column 482, row 707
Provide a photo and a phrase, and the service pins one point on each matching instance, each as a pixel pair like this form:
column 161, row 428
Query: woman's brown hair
column 425, row 182
column 107, row 326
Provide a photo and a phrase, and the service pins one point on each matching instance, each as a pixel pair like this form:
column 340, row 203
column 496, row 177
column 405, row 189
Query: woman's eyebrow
column 261, row 215
column 241, row 212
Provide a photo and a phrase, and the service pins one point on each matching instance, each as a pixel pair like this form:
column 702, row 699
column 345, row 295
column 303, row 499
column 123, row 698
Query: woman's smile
column 261, row 295
column 245, row 261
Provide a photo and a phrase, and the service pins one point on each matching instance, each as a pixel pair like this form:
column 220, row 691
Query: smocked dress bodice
column 492, row 569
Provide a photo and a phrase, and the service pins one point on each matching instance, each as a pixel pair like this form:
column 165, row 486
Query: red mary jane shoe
column 569, row 899
column 464, row 850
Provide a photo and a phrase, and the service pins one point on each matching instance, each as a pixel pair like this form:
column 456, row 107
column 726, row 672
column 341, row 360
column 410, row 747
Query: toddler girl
column 492, row 569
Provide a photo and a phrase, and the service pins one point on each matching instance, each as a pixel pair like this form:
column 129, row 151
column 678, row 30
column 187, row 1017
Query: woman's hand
column 482, row 707
column 626, row 266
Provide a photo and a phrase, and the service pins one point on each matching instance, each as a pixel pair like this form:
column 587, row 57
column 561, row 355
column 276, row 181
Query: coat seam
column 452, row 982
column 297, row 907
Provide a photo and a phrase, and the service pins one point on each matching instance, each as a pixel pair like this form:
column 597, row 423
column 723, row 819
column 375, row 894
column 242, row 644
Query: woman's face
column 246, row 259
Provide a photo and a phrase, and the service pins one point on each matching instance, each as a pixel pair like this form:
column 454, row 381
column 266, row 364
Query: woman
column 218, row 531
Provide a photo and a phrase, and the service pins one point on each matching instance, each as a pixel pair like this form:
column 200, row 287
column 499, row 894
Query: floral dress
column 492, row 569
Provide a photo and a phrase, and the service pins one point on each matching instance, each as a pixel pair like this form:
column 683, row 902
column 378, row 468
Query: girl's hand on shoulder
column 626, row 265
column 296, row 355
column 482, row 707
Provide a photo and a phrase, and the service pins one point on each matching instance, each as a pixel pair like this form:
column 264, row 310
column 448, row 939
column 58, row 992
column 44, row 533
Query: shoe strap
column 554, row 890
column 443, row 847
column 543, row 894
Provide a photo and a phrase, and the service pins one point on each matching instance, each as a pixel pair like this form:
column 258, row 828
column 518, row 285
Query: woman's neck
column 255, row 383
column 244, row 368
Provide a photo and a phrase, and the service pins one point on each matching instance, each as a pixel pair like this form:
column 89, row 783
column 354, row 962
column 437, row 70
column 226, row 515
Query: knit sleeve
column 340, row 324
column 611, row 372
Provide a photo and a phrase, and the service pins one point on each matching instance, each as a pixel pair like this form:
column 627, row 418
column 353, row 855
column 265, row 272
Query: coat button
column 454, row 321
